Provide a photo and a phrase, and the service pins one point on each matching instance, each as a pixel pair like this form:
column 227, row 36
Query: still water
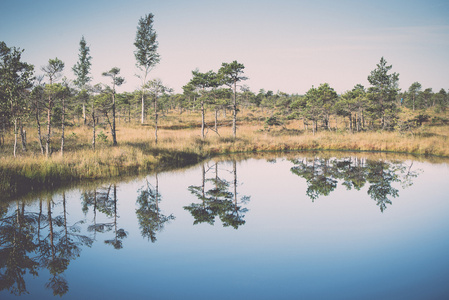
column 292, row 227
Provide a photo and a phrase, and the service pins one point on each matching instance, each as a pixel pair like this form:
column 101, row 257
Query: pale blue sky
column 285, row 45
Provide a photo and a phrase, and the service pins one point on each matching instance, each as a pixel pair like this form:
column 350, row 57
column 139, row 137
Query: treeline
column 51, row 100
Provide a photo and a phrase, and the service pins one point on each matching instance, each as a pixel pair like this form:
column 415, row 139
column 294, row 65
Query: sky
column 285, row 45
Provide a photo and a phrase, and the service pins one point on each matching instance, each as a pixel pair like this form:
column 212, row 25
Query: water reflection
column 104, row 200
column 38, row 240
column 217, row 198
column 43, row 238
column 151, row 220
column 322, row 175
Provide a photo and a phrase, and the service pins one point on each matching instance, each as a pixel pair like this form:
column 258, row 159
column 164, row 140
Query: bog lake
column 289, row 226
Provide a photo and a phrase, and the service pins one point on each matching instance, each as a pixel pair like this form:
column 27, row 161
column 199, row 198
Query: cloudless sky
column 285, row 45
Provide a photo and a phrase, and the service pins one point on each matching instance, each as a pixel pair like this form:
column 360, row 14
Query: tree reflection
column 16, row 240
column 218, row 200
column 205, row 212
column 149, row 215
column 105, row 200
column 31, row 241
column 322, row 176
column 318, row 174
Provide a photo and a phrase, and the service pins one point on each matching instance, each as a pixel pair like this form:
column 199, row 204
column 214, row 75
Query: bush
column 272, row 121
column 102, row 137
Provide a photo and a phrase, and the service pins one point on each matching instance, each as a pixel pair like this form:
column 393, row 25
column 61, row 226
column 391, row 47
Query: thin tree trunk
column 47, row 144
column 350, row 123
column 93, row 127
column 234, row 167
column 157, row 195
column 15, row 136
column 62, row 126
column 363, row 119
column 216, row 120
column 84, row 114
column 234, row 120
column 143, row 107
column 39, row 136
column 202, row 119
column 358, row 122
column 114, row 134
column 23, row 135
column 155, row 118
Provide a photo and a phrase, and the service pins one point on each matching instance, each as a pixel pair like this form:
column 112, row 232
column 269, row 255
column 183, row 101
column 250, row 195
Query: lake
column 293, row 226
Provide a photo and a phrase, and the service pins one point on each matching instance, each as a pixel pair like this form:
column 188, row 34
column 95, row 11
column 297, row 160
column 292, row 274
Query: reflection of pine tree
column 217, row 201
column 322, row 174
column 104, row 200
column 232, row 213
column 352, row 172
column 318, row 174
column 381, row 176
column 149, row 215
column 16, row 240
column 62, row 244
column 202, row 212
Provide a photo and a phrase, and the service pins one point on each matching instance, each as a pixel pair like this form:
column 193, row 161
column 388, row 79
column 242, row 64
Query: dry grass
column 137, row 151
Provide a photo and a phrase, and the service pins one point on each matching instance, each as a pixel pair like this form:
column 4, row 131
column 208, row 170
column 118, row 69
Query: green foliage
column 231, row 73
column 319, row 103
column 272, row 121
column 146, row 53
column 102, row 137
column 322, row 176
column 53, row 69
column 15, row 78
column 382, row 94
column 82, row 67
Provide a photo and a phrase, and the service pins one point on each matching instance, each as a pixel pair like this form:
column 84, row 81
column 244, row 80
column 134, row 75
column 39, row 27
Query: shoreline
column 25, row 174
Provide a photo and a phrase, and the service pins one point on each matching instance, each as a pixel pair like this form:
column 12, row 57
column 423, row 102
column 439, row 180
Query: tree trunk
column 84, row 114
column 234, row 120
column 47, row 143
column 62, row 126
column 234, row 167
column 23, row 135
column 202, row 119
column 93, row 127
column 155, row 119
column 15, row 136
column 143, row 107
column 363, row 119
column 350, row 123
column 216, row 120
column 39, row 136
column 114, row 136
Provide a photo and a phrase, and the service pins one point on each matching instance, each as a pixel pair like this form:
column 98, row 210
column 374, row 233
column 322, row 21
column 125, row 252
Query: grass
column 180, row 144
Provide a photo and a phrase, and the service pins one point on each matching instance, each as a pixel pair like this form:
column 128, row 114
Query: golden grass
column 137, row 151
